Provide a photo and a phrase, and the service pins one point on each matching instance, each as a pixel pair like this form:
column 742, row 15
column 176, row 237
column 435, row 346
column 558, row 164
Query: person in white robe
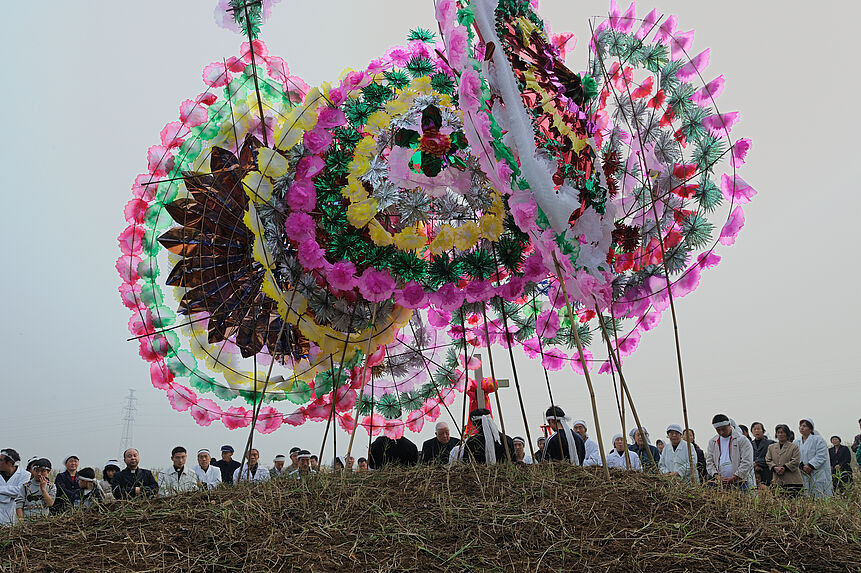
column 252, row 470
column 815, row 462
column 12, row 477
column 674, row 459
column 208, row 474
column 177, row 479
column 616, row 457
column 593, row 453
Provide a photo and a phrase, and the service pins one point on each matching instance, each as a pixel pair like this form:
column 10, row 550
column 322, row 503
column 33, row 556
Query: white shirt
column 262, row 474
column 209, row 479
column 617, row 460
column 170, row 482
column 726, row 469
column 8, row 492
column 593, row 454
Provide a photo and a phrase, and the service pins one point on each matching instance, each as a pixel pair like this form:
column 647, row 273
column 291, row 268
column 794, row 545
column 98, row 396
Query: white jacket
column 240, row 474
column 8, row 492
column 740, row 454
column 617, row 460
column 171, row 483
column 209, row 479
column 593, row 454
column 815, row 452
column 676, row 461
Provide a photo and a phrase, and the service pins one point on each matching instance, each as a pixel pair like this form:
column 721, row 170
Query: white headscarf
column 569, row 437
column 491, row 436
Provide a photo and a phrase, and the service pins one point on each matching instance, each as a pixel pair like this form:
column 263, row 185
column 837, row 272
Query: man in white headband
column 208, row 474
column 674, row 459
column 563, row 445
column 520, row 455
column 303, row 463
column 593, row 455
column 278, row 469
column 729, row 456
column 487, row 445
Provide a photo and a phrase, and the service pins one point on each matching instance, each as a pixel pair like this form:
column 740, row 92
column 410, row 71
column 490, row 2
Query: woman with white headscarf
column 564, row 444
column 616, row 457
column 593, row 454
column 815, row 463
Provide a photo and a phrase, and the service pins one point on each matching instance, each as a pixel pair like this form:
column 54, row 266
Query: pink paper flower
column 160, row 375
column 394, row 429
column 131, row 240
column 524, row 210
column 689, row 281
column 127, row 266
column 651, row 320
column 236, row 417
column 174, row 134
column 412, row 296
column 309, row 167
column 299, row 226
column 736, row 190
column 356, row 80
column 342, row 276
column 431, row 411
column 268, row 420
column 215, row 75
column 330, row 117
column 739, row 152
column 159, row 161
column 478, row 291
column 513, row 289
column 731, row 228
column 398, row 55
column 708, row 259
column 547, row 324
column 703, row 97
column 376, row 286
column 302, row 196
column 721, row 124
column 317, row 140
column 680, row 43
column 458, row 46
column 347, row 422
column 554, row 359
column 260, row 51
column 648, row 24
column 438, row 318
column 130, row 295
column 470, row 90
column 629, row 342
column 533, row 268
column 445, row 13
column 667, row 29
column 296, row 418
column 447, row 298
column 192, row 113
column 311, row 255
column 415, row 421
column 696, row 66
column 205, row 412
column 180, row 397
column 374, row 424
column 577, row 365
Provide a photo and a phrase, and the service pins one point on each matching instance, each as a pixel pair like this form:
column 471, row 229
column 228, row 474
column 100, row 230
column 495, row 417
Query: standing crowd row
column 735, row 457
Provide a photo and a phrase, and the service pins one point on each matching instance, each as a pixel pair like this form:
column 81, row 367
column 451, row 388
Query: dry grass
column 547, row 518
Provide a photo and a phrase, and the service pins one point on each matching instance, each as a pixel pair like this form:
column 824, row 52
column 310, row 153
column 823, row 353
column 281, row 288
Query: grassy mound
column 547, row 518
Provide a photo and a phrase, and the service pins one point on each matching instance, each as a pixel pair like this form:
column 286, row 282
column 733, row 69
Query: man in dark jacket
column 641, row 443
column 227, row 464
column 557, row 446
column 760, row 444
column 133, row 481
column 386, row 451
column 68, row 488
column 437, row 449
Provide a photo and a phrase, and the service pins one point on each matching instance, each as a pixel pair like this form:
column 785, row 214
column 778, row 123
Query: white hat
column 674, row 428
column 616, row 437
column 203, row 451
column 581, row 422
column 70, row 456
column 280, row 458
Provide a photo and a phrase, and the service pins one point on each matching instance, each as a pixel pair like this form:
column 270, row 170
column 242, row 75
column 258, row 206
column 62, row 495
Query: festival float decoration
column 339, row 252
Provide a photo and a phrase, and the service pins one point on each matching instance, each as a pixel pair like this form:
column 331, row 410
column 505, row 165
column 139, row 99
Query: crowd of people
column 736, row 457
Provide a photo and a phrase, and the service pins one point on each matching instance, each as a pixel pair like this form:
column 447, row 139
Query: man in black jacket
column 437, row 449
column 228, row 465
column 133, row 481
column 557, row 446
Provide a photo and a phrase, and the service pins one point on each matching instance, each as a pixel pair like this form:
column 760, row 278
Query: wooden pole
column 362, row 388
column 495, row 387
column 583, row 362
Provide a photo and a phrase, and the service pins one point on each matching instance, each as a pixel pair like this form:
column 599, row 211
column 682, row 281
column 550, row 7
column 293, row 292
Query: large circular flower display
column 340, row 252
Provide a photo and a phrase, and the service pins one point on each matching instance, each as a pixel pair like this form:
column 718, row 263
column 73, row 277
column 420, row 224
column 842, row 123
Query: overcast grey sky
column 771, row 334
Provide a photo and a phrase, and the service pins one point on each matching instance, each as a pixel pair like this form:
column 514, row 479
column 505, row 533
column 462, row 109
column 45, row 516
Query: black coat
column 556, row 447
column 68, row 492
column 840, row 459
column 435, row 452
column 226, row 469
column 760, row 449
column 125, row 482
column 385, row 451
column 474, row 449
column 645, row 459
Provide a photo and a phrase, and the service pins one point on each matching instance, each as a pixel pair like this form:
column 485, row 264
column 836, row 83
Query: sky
column 771, row 334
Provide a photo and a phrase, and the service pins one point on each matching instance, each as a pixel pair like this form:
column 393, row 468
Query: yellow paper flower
column 359, row 213
column 397, row 107
column 287, row 135
column 443, row 241
column 491, row 227
column 410, row 240
column 377, row 122
column 359, row 166
column 579, row 144
column 257, row 187
column 467, row 236
column 252, row 220
column 354, row 190
column 365, row 147
column 271, row 163
column 379, row 235
column 422, row 85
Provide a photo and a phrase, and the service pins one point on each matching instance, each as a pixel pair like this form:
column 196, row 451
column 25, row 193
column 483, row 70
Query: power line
column 129, row 411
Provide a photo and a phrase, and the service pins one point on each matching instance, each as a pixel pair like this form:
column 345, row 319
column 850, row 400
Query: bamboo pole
column 583, row 362
column 495, row 388
column 362, row 389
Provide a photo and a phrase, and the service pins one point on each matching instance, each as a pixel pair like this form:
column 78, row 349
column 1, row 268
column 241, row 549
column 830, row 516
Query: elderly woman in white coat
column 616, row 457
column 674, row 459
column 815, row 463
